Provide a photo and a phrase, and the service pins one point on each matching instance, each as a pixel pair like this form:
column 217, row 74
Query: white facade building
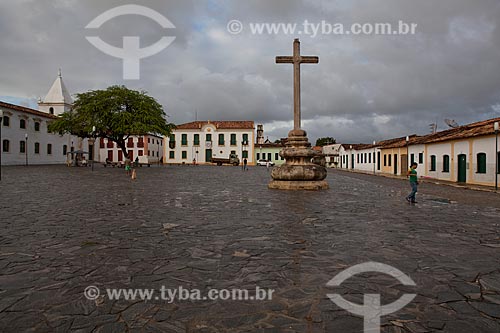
column 202, row 140
column 24, row 136
column 332, row 156
column 366, row 158
column 360, row 157
column 465, row 154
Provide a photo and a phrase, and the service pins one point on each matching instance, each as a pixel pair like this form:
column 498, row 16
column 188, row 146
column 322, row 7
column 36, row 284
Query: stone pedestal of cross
column 303, row 168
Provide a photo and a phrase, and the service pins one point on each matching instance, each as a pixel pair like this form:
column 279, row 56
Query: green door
column 208, row 155
column 462, row 168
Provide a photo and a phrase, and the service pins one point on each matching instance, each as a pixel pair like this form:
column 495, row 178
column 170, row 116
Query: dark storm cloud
column 364, row 88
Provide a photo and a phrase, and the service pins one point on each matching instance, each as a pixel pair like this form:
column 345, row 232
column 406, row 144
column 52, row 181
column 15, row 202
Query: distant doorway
column 208, row 155
column 395, row 164
column 404, row 163
column 462, row 168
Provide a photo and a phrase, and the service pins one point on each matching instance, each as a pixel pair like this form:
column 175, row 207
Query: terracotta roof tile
column 484, row 127
column 397, row 142
column 27, row 110
column 269, row 145
column 356, row 146
column 218, row 124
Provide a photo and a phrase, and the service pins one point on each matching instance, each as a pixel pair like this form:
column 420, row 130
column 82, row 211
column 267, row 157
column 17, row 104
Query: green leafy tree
column 117, row 113
column 325, row 141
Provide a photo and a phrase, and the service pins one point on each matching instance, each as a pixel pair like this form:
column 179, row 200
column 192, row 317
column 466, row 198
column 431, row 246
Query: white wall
column 367, row 161
column 484, row 145
column 345, row 158
column 439, row 150
column 15, row 135
column 416, row 150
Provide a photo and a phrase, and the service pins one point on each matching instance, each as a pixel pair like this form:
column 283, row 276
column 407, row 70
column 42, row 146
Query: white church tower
column 58, row 99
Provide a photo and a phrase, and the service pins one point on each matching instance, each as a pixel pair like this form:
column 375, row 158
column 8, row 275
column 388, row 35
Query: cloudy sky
column 365, row 88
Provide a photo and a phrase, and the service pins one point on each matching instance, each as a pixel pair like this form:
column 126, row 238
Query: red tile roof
column 390, row 143
column 218, row 124
column 356, row 146
column 397, row 142
column 269, row 145
column 27, row 110
column 479, row 128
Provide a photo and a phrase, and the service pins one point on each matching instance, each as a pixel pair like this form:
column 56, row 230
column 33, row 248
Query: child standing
column 128, row 163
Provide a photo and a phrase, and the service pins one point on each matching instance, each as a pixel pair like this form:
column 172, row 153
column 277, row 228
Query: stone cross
column 296, row 60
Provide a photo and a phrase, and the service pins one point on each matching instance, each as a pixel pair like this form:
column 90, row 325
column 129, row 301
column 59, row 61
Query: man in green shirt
column 412, row 173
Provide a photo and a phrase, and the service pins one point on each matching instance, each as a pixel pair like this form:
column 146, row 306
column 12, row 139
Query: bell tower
column 260, row 134
column 58, row 100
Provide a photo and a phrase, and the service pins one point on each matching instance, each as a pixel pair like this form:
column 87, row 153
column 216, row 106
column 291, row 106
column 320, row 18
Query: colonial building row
column 466, row 154
column 25, row 139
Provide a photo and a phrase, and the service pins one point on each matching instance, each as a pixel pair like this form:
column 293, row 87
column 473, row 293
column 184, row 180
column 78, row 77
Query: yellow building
column 394, row 154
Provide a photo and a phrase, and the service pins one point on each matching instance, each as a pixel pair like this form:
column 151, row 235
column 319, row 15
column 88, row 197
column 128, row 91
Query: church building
column 24, row 135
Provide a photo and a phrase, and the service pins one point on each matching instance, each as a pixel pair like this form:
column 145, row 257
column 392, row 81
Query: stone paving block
column 182, row 226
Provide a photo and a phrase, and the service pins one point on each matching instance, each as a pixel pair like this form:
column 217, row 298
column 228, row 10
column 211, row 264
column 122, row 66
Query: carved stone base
column 299, row 172
column 297, row 185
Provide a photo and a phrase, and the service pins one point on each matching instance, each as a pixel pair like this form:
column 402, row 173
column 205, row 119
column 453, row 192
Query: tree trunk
column 122, row 146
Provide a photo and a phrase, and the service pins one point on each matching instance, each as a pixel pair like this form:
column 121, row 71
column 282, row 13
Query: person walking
column 412, row 174
column 245, row 162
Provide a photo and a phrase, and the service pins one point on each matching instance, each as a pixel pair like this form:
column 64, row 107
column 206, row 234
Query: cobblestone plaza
column 64, row 229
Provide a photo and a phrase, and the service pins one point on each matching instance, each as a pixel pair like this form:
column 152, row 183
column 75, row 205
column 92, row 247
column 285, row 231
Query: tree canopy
column 117, row 113
column 325, row 141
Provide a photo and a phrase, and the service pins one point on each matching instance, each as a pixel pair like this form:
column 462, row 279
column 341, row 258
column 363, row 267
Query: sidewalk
column 425, row 179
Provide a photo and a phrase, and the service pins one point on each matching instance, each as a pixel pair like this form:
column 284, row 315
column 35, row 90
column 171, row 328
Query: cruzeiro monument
column 298, row 172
